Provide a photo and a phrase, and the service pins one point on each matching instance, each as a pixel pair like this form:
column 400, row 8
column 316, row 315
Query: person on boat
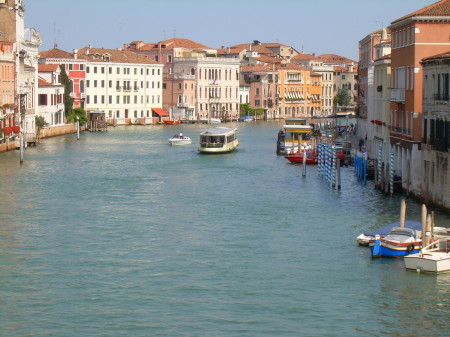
column 180, row 135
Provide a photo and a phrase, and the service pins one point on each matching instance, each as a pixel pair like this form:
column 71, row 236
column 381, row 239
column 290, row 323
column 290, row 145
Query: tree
column 40, row 123
column 80, row 113
column 67, row 83
column 342, row 98
column 245, row 109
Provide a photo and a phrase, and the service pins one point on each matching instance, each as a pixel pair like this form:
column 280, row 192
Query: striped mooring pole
column 391, row 173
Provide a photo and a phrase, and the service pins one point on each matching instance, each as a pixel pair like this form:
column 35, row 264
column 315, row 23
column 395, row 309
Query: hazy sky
column 314, row 26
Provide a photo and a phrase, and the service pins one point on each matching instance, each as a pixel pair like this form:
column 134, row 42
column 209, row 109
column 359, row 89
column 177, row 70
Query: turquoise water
column 119, row 234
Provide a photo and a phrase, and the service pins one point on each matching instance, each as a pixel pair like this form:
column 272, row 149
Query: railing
column 440, row 144
column 211, row 145
column 397, row 95
column 400, row 130
column 182, row 105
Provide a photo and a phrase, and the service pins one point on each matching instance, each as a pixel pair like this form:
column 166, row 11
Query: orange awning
column 160, row 112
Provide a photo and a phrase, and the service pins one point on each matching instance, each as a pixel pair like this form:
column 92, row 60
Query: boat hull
column 177, row 142
column 226, row 148
column 311, row 158
column 383, row 248
column 430, row 263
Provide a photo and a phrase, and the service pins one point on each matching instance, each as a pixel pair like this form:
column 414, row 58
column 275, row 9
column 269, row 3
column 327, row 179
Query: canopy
column 383, row 231
column 160, row 112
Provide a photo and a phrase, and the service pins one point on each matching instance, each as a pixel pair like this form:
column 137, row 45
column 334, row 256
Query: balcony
column 118, row 88
column 182, row 105
column 440, row 144
column 214, row 100
column 441, row 98
column 397, row 95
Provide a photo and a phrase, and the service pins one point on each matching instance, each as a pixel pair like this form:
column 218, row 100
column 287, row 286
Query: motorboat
column 179, row 139
column 218, row 140
column 171, row 122
column 311, row 157
column 400, row 241
column 368, row 237
column 434, row 258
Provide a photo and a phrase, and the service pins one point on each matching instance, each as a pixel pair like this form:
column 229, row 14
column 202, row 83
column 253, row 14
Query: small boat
column 170, row 122
column 434, row 258
column 215, row 120
column 218, row 140
column 400, row 241
column 294, row 136
column 246, row 119
column 179, row 139
column 311, row 157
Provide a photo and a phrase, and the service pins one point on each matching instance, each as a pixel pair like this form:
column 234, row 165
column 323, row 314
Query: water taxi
column 179, row 139
column 218, row 140
column 294, row 137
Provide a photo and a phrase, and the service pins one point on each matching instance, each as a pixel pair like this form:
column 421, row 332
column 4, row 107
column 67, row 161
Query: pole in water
column 21, row 147
column 338, row 174
column 402, row 213
column 78, row 128
column 304, row 163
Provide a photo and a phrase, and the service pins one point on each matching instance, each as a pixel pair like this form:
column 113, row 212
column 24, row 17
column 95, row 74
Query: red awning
column 160, row 112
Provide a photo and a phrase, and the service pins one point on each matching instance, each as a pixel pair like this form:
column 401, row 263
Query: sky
column 314, row 26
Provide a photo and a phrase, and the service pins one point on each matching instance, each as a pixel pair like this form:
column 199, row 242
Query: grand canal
column 119, row 234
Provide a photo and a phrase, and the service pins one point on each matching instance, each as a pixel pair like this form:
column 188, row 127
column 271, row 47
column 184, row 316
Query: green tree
column 245, row 109
column 40, row 123
column 80, row 113
column 342, row 98
column 67, row 83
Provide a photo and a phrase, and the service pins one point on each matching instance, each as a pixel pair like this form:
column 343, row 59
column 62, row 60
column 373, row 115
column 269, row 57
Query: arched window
column 71, row 86
column 81, row 86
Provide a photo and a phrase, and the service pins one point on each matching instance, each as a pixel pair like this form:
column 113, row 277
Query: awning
column 160, row 112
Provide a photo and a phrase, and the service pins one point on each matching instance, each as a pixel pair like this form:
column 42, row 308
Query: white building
column 433, row 183
column 217, row 85
column 50, row 95
column 124, row 84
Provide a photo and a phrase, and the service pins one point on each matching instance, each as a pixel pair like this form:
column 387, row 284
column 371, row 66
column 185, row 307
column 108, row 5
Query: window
column 70, row 66
column 95, row 83
column 81, row 86
column 87, row 70
column 169, row 58
column 110, row 99
column 103, row 83
column 42, row 99
column 88, row 99
column 117, row 99
column 88, row 83
column 110, row 70
column 103, row 99
column 103, row 70
column 110, row 83
column 95, row 99
column 117, row 70
column 95, row 70
column 81, row 66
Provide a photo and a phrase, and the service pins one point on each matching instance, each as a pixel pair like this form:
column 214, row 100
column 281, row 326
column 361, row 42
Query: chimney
column 75, row 54
column 125, row 46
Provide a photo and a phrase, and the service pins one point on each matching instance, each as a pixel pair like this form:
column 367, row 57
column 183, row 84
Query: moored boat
column 311, row 157
column 218, row 140
column 400, row 241
column 434, row 258
column 294, row 136
column 171, row 122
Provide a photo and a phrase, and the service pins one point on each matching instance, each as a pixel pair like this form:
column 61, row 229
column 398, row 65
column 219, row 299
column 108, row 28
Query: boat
column 215, row 120
column 311, row 157
column 179, row 139
column 246, row 119
column 218, row 140
column 368, row 237
column 400, row 241
column 434, row 258
column 294, row 136
column 170, row 122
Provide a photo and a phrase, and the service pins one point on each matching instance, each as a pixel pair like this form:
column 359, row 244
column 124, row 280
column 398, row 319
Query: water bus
column 218, row 140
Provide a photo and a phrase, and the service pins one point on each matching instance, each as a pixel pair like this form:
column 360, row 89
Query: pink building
column 75, row 68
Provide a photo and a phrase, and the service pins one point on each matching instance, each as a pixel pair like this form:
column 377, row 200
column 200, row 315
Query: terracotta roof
column 304, row 56
column 438, row 56
column 267, row 59
column 440, row 8
column 274, row 44
column 48, row 68
column 335, row 59
column 118, row 56
column 385, row 57
column 258, row 48
column 43, row 83
column 174, row 43
column 55, row 53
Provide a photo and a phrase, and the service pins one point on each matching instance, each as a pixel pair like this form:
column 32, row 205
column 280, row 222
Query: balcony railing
column 440, row 144
column 397, row 95
column 400, row 130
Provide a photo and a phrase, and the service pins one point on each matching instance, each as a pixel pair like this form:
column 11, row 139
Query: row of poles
column 329, row 166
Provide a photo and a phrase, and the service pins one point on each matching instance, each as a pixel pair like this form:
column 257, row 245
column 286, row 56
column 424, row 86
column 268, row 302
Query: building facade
column 126, row 85
column 434, row 185
column 50, row 95
column 414, row 37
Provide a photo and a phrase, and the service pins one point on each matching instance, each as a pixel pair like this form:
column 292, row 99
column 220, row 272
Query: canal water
column 120, row 234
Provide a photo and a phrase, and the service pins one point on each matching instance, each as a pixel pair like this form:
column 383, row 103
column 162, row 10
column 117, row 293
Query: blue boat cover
column 383, row 231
